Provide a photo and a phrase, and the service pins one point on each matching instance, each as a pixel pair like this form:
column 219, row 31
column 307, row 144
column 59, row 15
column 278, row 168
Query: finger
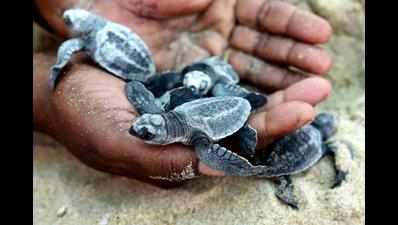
column 283, row 18
column 212, row 41
column 217, row 21
column 205, row 170
column 311, row 90
column 164, row 8
column 172, row 163
column 280, row 120
column 263, row 74
column 279, row 49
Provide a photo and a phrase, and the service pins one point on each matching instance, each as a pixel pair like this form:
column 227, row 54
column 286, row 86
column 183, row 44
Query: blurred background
column 68, row 192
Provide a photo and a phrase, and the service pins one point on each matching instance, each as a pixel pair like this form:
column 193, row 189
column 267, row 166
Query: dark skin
column 89, row 113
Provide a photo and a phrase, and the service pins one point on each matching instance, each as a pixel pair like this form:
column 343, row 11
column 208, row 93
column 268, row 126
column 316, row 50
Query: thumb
column 280, row 120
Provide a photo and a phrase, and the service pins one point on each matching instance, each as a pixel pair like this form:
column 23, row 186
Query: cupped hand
column 89, row 113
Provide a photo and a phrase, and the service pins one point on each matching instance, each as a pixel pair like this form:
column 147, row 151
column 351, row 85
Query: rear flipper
column 65, row 52
column 285, row 191
column 180, row 96
column 256, row 100
column 330, row 148
column 222, row 159
column 247, row 141
column 141, row 98
column 161, row 83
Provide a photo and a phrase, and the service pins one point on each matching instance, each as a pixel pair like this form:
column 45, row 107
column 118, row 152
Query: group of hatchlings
column 198, row 106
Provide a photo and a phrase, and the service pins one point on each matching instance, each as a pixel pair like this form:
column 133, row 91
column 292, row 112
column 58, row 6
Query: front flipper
column 161, row 83
column 223, row 89
column 285, row 191
column 330, row 148
column 180, row 96
column 222, row 159
column 256, row 100
column 141, row 98
column 247, row 141
column 65, row 52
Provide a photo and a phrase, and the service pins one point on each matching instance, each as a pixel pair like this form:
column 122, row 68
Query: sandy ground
column 68, row 192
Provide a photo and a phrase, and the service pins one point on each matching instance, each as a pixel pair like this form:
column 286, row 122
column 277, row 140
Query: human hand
column 90, row 114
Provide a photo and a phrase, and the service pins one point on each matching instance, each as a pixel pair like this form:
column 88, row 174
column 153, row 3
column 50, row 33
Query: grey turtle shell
column 217, row 117
column 216, row 66
column 295, row 152
column 123, row 53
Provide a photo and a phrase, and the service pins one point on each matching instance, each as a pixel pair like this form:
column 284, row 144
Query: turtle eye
column 203, row 85
column 67, row 21
column 145, row 134
column 156, row 121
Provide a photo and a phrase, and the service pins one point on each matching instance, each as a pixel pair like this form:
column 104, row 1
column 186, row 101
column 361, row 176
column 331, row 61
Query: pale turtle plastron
column 298, row 152
column 112, row 46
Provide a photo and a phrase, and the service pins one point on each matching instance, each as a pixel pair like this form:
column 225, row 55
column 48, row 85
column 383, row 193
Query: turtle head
column 198, row 81
column 79, row 21
column 326, row 123
column 151, row 128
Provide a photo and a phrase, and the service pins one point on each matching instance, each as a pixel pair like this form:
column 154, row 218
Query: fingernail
column 205, row 170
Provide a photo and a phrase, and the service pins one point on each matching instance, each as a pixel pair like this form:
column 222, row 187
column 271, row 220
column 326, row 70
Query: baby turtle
column 208, row 77
column 113, row 46
column 145, row 102
column 298, row 152
column 216, row 76
column 201, row 123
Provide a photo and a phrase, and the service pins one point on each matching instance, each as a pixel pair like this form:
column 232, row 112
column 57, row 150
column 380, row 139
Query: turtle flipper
column 224, row 89
column 141, row 98
column 161, row 83
column 256, row 100
column 330, row 148
column 285, row 191
column 180, row 96
column 247, row 140
column 65, row 52
column 222, row 159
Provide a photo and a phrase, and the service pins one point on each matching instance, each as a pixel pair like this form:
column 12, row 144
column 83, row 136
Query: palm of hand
column 176, row 34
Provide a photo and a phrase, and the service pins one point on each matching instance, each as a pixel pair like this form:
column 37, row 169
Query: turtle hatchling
column 211, row 76
column 114, row 47
column 201, row 123
column 214, row 75
column 145, row 103
column 298, row 152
